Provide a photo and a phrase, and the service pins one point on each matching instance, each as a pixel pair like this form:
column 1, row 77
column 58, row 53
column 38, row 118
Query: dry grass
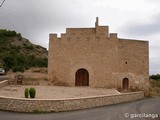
column 38, row 70
column 154, row 88
column 34, row 76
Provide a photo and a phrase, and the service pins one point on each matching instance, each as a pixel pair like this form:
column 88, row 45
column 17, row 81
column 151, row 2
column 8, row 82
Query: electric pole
column 2, row 3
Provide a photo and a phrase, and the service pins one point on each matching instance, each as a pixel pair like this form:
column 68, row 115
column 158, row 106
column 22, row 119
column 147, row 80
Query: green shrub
column 26, row 92
column 32, row 92
column 155, row 77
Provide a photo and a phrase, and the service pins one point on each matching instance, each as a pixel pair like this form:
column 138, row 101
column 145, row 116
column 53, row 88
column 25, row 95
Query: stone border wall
column 4, row 83
column 50, row 105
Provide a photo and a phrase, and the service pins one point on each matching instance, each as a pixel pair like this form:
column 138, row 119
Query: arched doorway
column 82, row 78
column 125, row 84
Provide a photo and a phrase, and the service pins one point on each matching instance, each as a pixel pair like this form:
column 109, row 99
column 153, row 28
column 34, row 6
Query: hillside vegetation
column 155, row 85
column 18, row 53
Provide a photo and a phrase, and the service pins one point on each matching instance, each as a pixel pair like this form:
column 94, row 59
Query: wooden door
column 82, row 78
column 125, row 84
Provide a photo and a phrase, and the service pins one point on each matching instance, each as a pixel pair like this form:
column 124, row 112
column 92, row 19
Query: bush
column 26, row 92
column 18, row 68
column 155, row 77
column 32, row 92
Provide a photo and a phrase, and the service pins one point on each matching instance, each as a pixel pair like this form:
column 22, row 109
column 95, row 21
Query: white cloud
column 126, row 5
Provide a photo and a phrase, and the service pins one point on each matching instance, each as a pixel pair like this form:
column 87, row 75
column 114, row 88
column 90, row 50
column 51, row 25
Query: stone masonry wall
column 107, row 58
column 45, row 105
column 4, row 83
column 133, row 62
column 97, row 55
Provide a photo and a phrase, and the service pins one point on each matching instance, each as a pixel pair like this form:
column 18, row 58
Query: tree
column 9, row 62
column 15, row 62
column 155, row 77
column 18, row 62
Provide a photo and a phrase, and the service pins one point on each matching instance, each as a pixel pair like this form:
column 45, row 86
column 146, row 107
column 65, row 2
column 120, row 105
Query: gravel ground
column 56, row 92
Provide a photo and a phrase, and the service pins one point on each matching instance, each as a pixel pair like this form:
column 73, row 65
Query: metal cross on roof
column 2, row 3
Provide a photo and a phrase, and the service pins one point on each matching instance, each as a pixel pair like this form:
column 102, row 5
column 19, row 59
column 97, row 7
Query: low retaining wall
column 49, row 105
column 4, row 83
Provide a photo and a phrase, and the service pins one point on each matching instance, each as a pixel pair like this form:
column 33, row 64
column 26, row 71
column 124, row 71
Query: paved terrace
column 56, row 92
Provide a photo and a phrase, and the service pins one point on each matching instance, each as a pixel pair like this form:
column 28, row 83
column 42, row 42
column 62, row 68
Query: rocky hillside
column 18, row 51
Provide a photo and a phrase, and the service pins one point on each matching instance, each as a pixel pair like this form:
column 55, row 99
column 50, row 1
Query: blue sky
column 35, row 19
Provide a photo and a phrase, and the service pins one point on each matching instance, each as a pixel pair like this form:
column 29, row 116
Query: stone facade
column 98, row 56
